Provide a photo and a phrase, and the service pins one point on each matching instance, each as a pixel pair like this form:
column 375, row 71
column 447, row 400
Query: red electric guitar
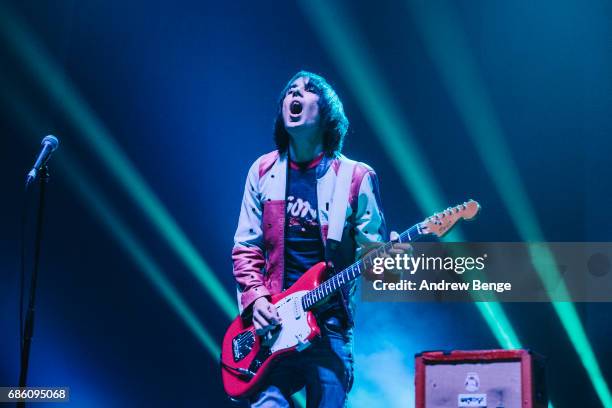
column 246, row 358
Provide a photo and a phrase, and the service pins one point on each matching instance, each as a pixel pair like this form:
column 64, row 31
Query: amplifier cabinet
column 480, row 378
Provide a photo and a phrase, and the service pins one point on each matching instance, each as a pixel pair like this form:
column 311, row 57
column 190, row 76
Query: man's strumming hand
column 265, row 316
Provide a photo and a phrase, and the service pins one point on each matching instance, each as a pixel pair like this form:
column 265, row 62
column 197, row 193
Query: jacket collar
column 322, row 167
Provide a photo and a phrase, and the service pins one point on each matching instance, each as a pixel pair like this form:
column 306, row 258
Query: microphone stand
column 29, row 322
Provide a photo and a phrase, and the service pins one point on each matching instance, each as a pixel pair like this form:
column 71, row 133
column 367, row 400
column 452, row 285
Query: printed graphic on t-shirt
column 303, row 244
column 302, row 215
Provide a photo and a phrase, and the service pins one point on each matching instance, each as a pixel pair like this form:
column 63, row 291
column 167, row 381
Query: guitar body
column 245, row 359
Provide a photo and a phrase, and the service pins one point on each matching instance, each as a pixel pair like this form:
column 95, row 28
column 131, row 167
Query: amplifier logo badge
column 472, row 400
column 472, row 382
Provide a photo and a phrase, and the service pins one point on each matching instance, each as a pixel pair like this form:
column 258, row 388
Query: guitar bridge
column 242, row 345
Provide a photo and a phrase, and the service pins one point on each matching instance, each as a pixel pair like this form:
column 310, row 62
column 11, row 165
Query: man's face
column 300, row 107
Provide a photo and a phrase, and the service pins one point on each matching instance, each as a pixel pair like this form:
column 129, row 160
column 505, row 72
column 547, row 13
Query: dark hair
column 331, row 111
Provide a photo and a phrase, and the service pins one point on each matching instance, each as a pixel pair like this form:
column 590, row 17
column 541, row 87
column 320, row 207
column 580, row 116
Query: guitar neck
column 353, row 271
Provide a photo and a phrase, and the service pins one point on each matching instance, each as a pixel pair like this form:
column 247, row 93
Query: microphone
column 49, row 144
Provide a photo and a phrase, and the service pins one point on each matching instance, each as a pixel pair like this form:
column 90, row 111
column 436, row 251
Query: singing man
column 282, row 232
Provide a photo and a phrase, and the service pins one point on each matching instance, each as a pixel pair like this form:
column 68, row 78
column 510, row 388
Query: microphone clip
column 42, row 174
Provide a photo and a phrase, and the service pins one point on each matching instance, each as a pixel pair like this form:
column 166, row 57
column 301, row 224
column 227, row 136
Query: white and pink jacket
column 259, row 245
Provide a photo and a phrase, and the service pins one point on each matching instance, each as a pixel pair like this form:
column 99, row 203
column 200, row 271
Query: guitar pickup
column 297, row 310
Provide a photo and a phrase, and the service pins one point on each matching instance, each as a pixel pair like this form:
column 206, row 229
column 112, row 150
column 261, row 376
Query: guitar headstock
column 440, row 223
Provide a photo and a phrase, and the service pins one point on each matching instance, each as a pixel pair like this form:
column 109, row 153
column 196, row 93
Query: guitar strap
column 340, row 199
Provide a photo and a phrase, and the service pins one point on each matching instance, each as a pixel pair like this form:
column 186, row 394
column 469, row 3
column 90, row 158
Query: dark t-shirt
column 303, row 243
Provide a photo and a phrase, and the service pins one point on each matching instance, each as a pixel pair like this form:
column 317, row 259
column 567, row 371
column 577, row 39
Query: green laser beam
column 449, row 48
column 92, row 130
column 342, row 42
column 101, row 208
column 109, row 218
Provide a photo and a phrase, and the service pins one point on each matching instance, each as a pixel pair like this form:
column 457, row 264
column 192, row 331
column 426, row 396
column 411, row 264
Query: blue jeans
column 325, row 369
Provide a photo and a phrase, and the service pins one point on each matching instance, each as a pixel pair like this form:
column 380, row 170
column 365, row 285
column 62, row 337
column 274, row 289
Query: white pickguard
column 294, row 326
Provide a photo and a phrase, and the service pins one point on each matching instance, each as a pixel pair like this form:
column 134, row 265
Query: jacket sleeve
column 247, row 255
column 370, row 226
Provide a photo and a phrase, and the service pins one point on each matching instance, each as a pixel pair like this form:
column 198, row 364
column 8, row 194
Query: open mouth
column 295, row 108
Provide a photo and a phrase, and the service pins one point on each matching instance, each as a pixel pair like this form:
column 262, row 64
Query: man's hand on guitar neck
column 265, row 316
column 398, row 248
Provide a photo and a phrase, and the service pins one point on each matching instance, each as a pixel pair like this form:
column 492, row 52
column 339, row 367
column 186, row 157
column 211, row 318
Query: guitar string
column 354, row 269
column 333, row 284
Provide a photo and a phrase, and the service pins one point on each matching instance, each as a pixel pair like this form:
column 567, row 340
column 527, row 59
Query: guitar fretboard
column 352, row 272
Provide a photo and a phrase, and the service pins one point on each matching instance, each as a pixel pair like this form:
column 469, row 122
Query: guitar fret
column 411, row 234
column 353, row 271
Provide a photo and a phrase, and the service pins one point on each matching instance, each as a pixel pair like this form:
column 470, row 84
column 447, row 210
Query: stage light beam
column 100, row 207
column 342, row 41
column 109, row 218
column 95, row 201
column 448, row 47
column 94, row 133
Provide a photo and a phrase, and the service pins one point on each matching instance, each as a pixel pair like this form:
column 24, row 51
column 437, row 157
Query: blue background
column 188, row 91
